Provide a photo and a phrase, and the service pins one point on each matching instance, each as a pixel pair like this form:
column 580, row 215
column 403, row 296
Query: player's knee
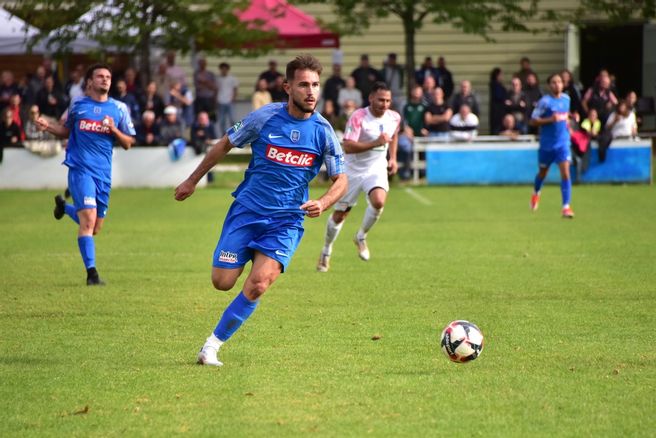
column 257, row 286
column 378, row 205
column 339, row 216
column 222, row 283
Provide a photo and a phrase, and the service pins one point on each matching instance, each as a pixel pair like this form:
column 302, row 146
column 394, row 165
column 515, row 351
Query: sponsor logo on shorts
column 290, row 157
column 227, row 257
column 281, row 253
column 96, row 126
column 89, row 200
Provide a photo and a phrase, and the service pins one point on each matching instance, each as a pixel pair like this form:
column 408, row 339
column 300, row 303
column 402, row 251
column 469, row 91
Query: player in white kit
column 370, row 144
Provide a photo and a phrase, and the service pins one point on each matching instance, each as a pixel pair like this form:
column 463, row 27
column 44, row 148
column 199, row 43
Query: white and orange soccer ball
column 462, row 341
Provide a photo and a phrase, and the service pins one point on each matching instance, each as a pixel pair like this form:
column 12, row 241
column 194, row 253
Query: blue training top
column 553, row 135
column 90, row 142
column 287, row 155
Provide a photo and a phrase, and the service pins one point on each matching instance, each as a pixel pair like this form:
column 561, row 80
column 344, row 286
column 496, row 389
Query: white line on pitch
column 418, row 197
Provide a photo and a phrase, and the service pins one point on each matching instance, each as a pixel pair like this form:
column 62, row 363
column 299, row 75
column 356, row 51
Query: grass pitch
column 567, row 308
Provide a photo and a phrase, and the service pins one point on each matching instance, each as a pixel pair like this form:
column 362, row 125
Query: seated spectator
column 428, row 87
column 181, row 99
column 17, row 110
column 404, row 152
column 591, row 124
column 278, row 93
column 622, row 122
column 413, row 112
column 509, row 128
column 8, row 87
column 348, row 109
column 464, row 124
column 467, row 97
column 328, row 113
column 516, row 104
column 437, row 116
column 32, row 131
column 261, row 96
column 170, row 128
column 631, row 100
column 50, row 100
column 151, row 101
column 10, row 133
column 349, row 92
column 202, row 133
column 128, row 99
column 148, row 130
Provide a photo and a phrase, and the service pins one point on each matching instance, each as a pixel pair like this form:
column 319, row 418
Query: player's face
column 380, row 102
column 303, row 93
column 556, row 85
column 101, row 80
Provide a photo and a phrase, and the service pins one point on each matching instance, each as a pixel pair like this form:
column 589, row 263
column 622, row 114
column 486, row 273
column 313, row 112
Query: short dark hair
column 379, row 85
column 551, row 76
column 224, row 65
column 89, row 74
column 303, row 62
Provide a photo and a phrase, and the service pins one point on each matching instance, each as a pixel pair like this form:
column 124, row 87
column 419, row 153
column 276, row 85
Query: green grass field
column 567, row 308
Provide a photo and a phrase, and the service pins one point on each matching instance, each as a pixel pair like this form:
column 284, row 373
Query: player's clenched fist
column 313, row 208
column 184, row 190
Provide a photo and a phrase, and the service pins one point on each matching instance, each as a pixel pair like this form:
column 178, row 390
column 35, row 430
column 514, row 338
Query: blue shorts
column 245, row 232
column 558, row 155
column 88, row 192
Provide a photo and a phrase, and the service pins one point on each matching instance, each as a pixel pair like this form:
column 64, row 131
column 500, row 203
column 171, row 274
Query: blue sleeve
column 333, row 154
column 125, row 124
column 70, row 115
column 248, row 129
column 540, row 109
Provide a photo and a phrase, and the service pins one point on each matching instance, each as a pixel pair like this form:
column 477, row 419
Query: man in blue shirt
column 552, row 116
column 264, row 225
column 92, row 125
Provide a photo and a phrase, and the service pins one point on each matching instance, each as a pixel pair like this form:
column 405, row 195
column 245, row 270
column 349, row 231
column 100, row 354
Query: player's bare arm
column 354, row 147
column 214, row 155
column 314, row 208
column 56, row 128
column 126, row 141
column 392, row 164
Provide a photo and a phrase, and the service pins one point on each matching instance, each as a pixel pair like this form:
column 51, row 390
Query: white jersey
column 364, row 127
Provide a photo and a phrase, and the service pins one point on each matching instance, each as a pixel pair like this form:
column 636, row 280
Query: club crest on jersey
column 295, row 135
column 227, row 257
column 289, row 157
column 96, row 126
column 96, row 110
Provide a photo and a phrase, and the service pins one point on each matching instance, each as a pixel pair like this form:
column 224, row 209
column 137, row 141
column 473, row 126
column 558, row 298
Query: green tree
column 136, row 26
column 472, row 16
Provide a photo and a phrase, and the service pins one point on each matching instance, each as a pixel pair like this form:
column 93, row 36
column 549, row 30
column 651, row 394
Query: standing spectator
column 50, row 100
column 8, row 87
column 170, row 128
column 150, row 100
column 132, row 84
column 162, row 81
column 365, row 76
column 498, row 97
column 464, row 124
column 516, row 104
column 425, row 70
column 444, row 78
column 328, row 113
column 129, row 99
column 205, row 84
column 148, row 130
column 261, row 96
column 349, row 93
column 10, row 133
column 175, row 72
column 278, row 93
column 74, row 88
column 465, row 96
column 271, row 76
column 392, row 74
column 600, row 97
column 437, row 116
column 202, row 133
column 18, row 113
column 404, row 152
column 413, row 112
column 227, row 86
column 533, row 95
column 332, row 87
column 32, row 131
column 574, row 92
column 35, row 84
column 181, row 99
column 427, row 90
column 524, row 70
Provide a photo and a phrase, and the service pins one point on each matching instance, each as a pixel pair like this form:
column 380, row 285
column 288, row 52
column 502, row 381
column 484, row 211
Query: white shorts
column 361, row 182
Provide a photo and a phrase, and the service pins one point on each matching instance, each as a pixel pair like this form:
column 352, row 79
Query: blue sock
column 87, row 250
column 234, row 316
column 537, row 185
column 70, row 210
column 566, row 190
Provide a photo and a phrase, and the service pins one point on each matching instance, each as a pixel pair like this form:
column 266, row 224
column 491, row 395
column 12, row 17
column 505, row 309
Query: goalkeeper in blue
column 552, row 116
column 264, row 225
column 94, row 122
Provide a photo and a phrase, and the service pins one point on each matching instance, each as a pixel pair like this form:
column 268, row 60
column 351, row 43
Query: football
column 462, row 341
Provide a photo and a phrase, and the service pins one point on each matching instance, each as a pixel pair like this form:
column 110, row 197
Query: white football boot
column 324, row 262
column 363, row 250
column 207, row 354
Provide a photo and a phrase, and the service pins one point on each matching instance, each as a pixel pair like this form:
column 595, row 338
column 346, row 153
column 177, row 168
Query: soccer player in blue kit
column 93, row 123
column 552, row 116
column 264, row 224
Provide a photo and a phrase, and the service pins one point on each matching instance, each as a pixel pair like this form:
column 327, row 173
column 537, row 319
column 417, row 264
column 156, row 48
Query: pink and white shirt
column 364, row 127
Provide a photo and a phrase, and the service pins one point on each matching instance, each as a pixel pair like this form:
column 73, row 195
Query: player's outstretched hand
column 184, row 190
column 313, row 208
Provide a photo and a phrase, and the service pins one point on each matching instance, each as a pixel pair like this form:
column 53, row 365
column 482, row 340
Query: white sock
column 371, row 216
column 332, row 231
column 213, row 342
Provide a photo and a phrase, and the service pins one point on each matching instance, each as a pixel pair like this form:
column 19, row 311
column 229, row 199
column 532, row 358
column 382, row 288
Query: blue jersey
column 287, row 155
column 90, row 142
column 553, row 135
